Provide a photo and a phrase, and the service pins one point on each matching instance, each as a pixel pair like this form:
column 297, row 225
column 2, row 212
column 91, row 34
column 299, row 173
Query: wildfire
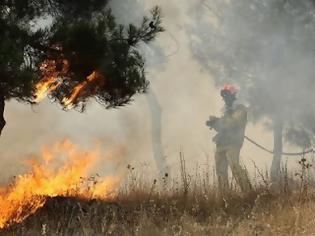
column 68, row 102
column 53, row 79
column 29, row 192
column 44, row 87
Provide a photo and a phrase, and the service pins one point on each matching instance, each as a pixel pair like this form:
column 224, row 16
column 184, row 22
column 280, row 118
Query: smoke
column 267, row 48
column 184, row 88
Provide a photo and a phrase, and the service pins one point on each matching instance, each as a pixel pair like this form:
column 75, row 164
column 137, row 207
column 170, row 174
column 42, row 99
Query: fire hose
column 311, row 150
column 283, row 153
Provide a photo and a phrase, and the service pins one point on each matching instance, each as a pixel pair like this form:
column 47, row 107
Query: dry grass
column 189, row 205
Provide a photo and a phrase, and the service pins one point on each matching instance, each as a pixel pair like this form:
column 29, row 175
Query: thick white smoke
column 184, row 89
column 267, row 48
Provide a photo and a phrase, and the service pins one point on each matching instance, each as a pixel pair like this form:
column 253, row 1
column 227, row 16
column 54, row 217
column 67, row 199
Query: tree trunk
column 277, row 148
column 2, row 120
column 158, row 154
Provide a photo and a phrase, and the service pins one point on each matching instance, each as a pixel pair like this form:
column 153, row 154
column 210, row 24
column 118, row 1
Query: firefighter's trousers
column 228, row 156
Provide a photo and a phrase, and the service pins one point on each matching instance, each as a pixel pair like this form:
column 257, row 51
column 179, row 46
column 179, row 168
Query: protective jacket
column 231, row 127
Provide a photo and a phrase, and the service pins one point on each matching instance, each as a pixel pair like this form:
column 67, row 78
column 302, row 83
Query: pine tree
column 83, row 48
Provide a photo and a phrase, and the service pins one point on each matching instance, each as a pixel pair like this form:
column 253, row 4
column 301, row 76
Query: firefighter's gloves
column 211, row 122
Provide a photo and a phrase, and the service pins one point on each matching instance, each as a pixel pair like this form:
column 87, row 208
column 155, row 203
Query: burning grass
column 188, row 205
column 47, row 178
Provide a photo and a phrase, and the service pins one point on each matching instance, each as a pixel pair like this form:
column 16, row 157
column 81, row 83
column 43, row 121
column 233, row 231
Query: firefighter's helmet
column 228, row 90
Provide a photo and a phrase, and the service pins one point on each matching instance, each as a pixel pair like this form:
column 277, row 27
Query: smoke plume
column 267, row 48
column 180, row 68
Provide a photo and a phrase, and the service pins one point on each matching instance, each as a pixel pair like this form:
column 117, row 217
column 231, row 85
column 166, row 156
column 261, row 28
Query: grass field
column 188, row 205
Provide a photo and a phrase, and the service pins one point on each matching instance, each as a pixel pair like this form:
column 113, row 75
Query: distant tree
column 82, row 53
column 130, row 10
column 267, row 47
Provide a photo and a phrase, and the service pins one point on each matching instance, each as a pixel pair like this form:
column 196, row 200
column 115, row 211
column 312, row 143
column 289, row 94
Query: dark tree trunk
column 2, row 120
column 278, row 149
column 158, row 153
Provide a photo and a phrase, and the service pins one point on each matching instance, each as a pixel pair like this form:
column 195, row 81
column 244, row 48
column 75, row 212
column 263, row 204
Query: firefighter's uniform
column 229, row 140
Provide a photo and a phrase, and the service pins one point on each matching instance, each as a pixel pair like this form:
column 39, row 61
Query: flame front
column 30, row 191
column 53, row 79
column 68, row 102
column 44, row 87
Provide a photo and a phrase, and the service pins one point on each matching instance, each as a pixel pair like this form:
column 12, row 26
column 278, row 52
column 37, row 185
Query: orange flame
column 68, row 102
column 50, row 80
column 29, row 191
column 44, row 87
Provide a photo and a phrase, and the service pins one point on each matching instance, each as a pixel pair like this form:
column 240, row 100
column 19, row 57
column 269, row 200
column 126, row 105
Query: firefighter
column 229, row 139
